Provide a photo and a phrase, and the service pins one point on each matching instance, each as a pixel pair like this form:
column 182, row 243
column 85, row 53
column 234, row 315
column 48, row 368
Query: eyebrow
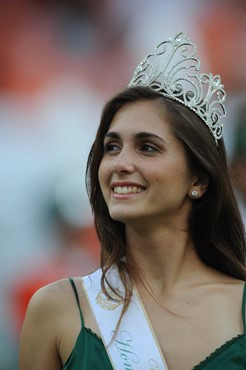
column 139, row 135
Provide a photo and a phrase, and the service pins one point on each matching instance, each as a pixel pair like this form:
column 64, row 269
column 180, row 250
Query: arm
column 40, row 334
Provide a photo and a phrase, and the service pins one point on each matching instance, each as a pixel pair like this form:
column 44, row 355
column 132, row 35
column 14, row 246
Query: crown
column 173, row 71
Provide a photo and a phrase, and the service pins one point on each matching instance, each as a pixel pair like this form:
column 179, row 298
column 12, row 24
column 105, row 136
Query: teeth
column 127, row 189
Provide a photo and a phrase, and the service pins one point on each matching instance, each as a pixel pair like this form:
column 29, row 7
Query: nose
column 124, row 162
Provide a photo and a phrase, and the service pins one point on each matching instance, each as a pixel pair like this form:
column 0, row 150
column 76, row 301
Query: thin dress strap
column 244, row 309
column 77, row 299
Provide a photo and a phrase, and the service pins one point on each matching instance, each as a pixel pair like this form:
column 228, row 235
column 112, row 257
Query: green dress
column 89, row 352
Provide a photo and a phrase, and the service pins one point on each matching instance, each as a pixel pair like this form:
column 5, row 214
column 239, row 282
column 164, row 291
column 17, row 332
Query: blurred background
column 60, row 60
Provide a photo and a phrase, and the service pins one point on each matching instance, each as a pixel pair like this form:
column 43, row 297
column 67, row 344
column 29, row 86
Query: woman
column 173, row 246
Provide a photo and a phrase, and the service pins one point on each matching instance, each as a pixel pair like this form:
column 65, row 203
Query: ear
column 199, row 186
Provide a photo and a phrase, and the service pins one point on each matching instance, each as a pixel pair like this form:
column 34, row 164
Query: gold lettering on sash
column 106, row 303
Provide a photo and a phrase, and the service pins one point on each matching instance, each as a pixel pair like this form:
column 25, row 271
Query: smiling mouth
column 128, row 190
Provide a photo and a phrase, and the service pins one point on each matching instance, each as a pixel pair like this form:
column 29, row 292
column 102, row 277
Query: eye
column 111, row 147
column 148, row 148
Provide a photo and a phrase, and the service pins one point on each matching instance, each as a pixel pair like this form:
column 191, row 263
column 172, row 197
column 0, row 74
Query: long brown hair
column 215, row 223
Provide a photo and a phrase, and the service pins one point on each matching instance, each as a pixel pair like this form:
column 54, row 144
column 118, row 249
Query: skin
column 154, row 161
column 178, row 291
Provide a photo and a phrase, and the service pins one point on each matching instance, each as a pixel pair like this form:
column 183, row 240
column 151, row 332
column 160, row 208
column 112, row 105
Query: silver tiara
column 173, row 71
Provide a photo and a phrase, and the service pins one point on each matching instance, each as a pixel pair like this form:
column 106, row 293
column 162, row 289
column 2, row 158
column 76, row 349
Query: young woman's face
column 144, row 175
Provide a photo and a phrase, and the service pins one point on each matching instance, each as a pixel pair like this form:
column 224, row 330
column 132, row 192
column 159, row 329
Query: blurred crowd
column 60, row 60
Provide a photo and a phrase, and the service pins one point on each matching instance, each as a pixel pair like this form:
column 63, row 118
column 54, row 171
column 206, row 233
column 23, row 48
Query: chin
column 125, row 217
column 130, row 217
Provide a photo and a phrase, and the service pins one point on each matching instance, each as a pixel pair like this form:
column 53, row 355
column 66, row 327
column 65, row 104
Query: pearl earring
column 194, row 193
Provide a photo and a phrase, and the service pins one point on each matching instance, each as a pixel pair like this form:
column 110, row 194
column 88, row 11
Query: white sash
column 135, row 346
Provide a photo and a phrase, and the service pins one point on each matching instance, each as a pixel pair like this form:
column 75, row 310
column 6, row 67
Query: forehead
column 141, row 116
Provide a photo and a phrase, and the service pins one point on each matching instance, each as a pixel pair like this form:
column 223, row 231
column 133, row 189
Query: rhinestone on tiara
column 173, row 71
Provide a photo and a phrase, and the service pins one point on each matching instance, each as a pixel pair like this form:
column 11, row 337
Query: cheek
column 172, row 178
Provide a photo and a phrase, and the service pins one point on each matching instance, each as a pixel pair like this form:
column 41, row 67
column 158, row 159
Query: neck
column 166, row 257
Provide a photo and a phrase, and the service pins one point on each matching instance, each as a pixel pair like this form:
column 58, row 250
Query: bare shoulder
column 235, row 290
column 56, row 296
column 52, row 322
column 228, row 288
column 51, row 301
column 224, row 296
column 231, row 286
